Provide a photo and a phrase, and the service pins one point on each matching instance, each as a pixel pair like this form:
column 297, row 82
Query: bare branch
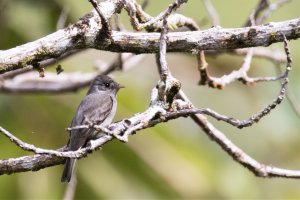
column 46, row 63
column 105, row 30
column 264, row 9
column 62, row 18
column 212, row 12
column 71, row 188
column 145, row 4
column 168, row 86
column 220, row 83
column 134, row 10
column 256, row 117
column 235, row 152
column 270, row 9
column 205, row 78
column 52, row 83
column 75, row 37
column 29, row 163
column 240, row 156
column 162, row 64
column 29, row 147
column 240, row 74
column 262, row 5
column 274, row 55
column 211, row 39
column 152, row 116
column 293, row 102
column 67, row 82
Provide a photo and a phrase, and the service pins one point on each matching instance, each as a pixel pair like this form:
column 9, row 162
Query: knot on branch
column 179, row 105
column 172, row 89
column 105, row 31
column 167, row 90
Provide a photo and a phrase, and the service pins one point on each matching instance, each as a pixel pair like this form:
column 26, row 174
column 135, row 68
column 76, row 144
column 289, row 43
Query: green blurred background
column 175, row 160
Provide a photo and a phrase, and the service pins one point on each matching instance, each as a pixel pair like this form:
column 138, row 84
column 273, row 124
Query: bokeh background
column 175, row 160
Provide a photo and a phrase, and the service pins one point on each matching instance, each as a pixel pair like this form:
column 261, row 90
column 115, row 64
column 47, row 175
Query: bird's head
column 105, row 84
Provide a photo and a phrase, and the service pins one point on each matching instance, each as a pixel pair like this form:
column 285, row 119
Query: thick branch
column 29, row 163
column 83, row 34
column 211, row 39
column 86, row 33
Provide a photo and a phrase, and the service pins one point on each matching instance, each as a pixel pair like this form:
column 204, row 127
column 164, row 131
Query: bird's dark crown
column 104, row 83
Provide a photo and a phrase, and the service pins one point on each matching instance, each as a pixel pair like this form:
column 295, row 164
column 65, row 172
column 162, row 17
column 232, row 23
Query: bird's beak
column 120, row 86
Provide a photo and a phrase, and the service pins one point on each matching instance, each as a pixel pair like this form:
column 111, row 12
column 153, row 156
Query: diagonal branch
column 235, row 152
column 212, row 12
column 270, row 9
column 136, row 14
column 264, row 9
column 262, row 5
column 151, row 117
column 260, row 170
column 105, row 30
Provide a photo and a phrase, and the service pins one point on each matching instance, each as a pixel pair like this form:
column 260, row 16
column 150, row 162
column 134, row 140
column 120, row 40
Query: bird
column 98, row 108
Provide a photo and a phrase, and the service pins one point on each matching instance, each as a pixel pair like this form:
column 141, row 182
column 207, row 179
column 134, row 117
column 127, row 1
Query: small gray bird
column 98, row 107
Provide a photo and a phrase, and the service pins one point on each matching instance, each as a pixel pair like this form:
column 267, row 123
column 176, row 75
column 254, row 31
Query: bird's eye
column 106, row 85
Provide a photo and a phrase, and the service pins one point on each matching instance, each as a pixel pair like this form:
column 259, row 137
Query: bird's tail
column 68, row 170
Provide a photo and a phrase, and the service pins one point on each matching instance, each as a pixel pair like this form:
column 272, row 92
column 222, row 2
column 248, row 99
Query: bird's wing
column 94, row 108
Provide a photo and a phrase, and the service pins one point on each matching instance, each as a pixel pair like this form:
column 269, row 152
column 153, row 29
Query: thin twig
column 205, row 77
column 106, row 29
column 29, row 147
column 212, row 12
column 168, row 86
column 270, row 9
column 46, row 63
column 71, row 187
column 256, row 117
column 273, row 55
column 240, row 74
column 293, row 102
column 66, row 82
column 145, row 4
column 62, row 18
column 163, row 67
column 290, row 96
column 221, row 82
column 235, row 152
column 260, row 170
column 138, row 25
column 261, row 6
column 264, row 9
